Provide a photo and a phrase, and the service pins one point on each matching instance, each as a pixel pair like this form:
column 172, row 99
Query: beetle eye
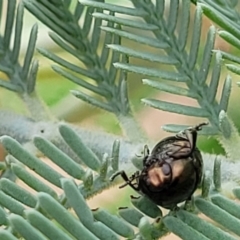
column 166, row 169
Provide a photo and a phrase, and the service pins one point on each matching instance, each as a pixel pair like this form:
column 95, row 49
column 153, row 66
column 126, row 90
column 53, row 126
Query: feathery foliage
column 31, row 212
column 21, row 78
column 17, row 78
column 225, row 14
column 82, row 44
column 172, row 38
column 165, row 37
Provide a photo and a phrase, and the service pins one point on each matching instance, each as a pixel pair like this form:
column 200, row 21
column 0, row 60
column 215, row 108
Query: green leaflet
column 96, row 35
column 31, row 180
column 80, row 81
column 9, row 86
column 207, row 55
column 185, row 20
column 113, row 222
column 108, row 39
column 218, row 215
column 143, row 55
column 225, row 8
column 88, row 179
column 30, row 50
column 233, row 68
column 206, row 184
column 230, row 57
column 64, row 217
column 58, row 157
column 45, row 226
column 115, row 155
column 152, row 72
column 32, row 76
column 11, row 204
column 212, row 90
column 25, row 229
column 176, row 108
column 229, row 38
column 169, row 88
column 78, row 11
column 125, row 22
column 77, row 145
column 182, row 229
column 195, row 38
column 92, row 100
column 116, row 56
column 227, row 205
column 146, row 206
column 18, row 193
column 141, row 39
column 66, row 47
column 104, row 167
column 3, row 217
column 88, row 21
column 205, row 228
column 15, row 149
column 220, row 20
column 173, row 16
column 226, row 93
column 6, row 235
column 130, row 215
column 217, row 174
column 83, row 212
column 18, row 33
column 113, row 8
column 9, row 23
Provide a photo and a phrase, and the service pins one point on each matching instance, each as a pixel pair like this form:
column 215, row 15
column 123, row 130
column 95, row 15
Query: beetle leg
column 146, row 151
column 190, row 130
column 122, row 173
column 199, row 126
column 128, row 181
column 190, row 135
column 145, row 154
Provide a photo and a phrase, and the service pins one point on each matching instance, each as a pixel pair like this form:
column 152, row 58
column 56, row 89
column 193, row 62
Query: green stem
column 36, row 107
column 131, row 128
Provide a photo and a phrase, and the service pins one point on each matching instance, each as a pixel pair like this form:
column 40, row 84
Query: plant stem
column 36, row 107
column 131, row 128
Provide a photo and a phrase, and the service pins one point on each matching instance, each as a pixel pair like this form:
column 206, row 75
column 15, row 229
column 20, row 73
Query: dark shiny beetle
column 172, row 172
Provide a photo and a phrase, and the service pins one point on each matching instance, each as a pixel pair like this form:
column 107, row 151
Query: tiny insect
column 172, row 172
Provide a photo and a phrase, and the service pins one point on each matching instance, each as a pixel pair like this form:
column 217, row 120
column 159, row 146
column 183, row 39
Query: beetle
column 171, row 172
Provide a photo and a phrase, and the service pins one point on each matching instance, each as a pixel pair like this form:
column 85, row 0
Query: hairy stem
column 131, row 128
column 36, row 107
